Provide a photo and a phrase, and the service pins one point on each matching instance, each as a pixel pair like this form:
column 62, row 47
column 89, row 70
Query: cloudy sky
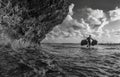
column 99, row 18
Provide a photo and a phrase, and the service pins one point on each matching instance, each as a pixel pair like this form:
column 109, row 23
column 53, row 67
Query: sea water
column 98, row 61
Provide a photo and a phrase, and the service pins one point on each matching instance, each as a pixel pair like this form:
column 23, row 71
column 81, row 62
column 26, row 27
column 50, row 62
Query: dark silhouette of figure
column 89, row 40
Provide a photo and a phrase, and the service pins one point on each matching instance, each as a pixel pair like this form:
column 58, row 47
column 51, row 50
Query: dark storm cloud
column 104, row 5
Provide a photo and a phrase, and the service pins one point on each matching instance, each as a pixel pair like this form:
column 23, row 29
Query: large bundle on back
column 94, row 42
column 84, row 42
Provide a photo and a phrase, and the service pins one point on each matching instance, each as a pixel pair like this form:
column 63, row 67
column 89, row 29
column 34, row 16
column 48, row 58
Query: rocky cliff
column 31, row 19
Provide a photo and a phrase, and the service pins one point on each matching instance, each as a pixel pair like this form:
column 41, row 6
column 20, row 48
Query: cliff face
column 31, row 19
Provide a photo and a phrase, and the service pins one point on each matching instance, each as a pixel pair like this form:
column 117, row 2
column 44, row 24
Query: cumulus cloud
column 107, row 33
column 95, row 20
column 116, row 32
column 91, row 21
column 69, row 28
column 95, row 16
column 114, row 14
column 71, row 9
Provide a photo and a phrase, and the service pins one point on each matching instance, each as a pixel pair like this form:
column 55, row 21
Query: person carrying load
column 89, row 41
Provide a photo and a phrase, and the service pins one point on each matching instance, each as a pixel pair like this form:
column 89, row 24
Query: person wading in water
column 89, row 40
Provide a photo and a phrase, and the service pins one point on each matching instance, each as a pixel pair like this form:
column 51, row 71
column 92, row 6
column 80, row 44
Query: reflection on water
column 98, row 61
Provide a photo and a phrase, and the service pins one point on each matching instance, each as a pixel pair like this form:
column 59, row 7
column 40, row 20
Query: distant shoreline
column 109, row 43
column 79, row 43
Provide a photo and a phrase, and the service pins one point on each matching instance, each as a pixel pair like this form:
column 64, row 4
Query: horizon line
column 79, row 43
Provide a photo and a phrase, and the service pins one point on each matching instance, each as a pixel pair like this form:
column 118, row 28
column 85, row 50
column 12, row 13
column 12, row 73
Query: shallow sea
column 80, row 61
